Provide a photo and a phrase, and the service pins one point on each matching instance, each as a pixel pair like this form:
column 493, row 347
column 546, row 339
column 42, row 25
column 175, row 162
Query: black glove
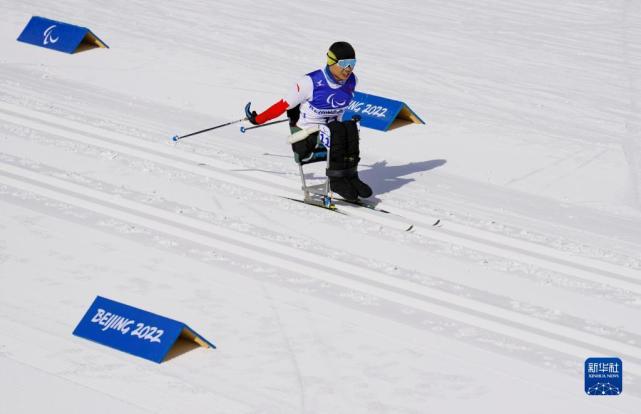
column 251, row 115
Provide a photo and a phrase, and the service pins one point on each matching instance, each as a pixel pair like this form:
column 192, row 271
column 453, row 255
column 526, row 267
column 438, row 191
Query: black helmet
column 338, row 51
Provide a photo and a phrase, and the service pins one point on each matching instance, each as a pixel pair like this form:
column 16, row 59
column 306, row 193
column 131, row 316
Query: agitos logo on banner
column 136, row 331
column 48, row 38
column 60, row 36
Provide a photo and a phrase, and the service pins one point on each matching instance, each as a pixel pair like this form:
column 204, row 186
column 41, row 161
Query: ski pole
column 243, row 129
column 175, row 138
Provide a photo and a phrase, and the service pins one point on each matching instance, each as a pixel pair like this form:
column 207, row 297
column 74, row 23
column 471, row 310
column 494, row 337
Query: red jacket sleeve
column 272, row 112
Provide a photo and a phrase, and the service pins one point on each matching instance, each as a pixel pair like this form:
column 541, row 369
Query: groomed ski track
column 327, row 270
column 534, row 331
column 172, row 157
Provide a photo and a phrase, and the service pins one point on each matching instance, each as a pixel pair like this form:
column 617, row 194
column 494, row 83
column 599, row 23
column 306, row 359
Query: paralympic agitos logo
column 333, row 103
column 48, row 35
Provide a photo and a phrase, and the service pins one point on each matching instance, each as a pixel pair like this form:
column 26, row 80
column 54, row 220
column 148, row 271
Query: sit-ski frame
column 318, row 193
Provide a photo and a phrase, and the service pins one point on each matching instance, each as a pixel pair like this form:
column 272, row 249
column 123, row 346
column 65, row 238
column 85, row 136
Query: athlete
column 319, row 99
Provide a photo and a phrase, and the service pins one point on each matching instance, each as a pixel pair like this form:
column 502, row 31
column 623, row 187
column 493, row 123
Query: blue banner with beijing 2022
column 380, row 113
column 133, row 330
column 603, row 376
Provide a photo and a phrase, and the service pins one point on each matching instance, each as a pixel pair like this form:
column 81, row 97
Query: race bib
column 324, row 136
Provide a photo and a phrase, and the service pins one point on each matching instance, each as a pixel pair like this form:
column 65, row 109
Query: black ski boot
column 342, row 187
column 361, row 187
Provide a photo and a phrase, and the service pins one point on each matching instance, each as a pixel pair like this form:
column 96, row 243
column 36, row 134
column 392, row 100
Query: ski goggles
column 343, row 63
column 347, row 63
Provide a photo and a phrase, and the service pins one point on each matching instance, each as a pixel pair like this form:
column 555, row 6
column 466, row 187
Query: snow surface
column 531, row 157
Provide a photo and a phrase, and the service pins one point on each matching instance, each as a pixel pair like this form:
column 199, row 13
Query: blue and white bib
column 328, row 101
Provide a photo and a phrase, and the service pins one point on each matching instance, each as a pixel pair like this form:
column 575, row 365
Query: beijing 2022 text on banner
column 378, row 112
column 134, row 330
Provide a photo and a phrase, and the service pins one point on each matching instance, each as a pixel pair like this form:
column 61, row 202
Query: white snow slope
column 531, row 157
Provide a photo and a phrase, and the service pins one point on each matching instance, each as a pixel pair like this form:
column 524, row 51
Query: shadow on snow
column 384, row 178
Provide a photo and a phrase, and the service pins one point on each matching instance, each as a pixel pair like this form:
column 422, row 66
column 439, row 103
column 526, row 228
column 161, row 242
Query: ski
column 401, row 222
column 351, row 208
column 364, row 204
column 435, row 223
column 318, row 204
